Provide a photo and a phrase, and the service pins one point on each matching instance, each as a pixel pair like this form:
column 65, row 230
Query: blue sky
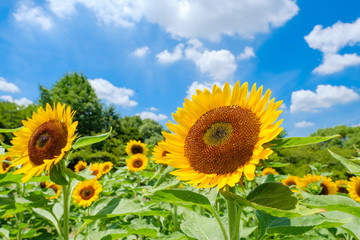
column 145, row 57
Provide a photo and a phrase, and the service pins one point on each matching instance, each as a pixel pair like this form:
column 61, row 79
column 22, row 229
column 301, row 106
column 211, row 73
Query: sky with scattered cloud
column 145, row 57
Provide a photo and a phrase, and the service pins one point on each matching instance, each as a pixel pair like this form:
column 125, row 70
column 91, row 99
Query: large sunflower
column 267, row 171
column 43, row 140
column 319, row 185
column 81, row 165
column 137, row 162
column 342, row 186
column 159, row 153
column 134, row 147
column 87, row 192
column 220, row 135
column 354, row 188
column 5, row 163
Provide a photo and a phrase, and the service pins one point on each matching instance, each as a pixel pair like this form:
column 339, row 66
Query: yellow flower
column 342, row 186
column 137, row 162
column 87, row 192
column 354, row 188
column 292, row 181
column 220, row 135
column 106, row 167
column 267, row 171
column 81, row 165
column 5, row 163
column 134, row 147
column 55, row 187
column 43, row 140
column 97, row 170
column 319, row 185
column 159, row 153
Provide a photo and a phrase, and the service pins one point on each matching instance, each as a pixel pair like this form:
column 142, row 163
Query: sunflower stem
column 232, row 213
column 175, row 218
column 66, row 189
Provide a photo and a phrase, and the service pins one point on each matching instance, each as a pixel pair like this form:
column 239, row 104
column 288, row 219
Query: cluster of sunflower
column 136, row 151
column 320, row 185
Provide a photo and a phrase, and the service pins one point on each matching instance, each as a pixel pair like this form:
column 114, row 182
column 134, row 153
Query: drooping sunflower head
column 97, row 170
column 220, row 136
column 5, row 163
column 43, row 140
column 55, row 187
column 267, row 171
column 134, row 147
column 342, row 186
column 81, row 165
column 292, row 181
column 159, row 153
column 354, row 188
column 87, row 192
column 319, row 185
column 106, row 167
column 137, row 162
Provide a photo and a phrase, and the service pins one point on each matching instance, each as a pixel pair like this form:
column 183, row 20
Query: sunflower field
column 218, row 172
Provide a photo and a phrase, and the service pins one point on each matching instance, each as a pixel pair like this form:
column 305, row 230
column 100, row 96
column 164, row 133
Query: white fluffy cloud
column 151, row 115
column 21, row 101
column 303, row 124
column 28, row 13
column 330, row 41
column 141, row 52
column 8, row 87
column 325, row 96
column 152, row 109
column 112, row 94
column 167, row 57
column 246, row 54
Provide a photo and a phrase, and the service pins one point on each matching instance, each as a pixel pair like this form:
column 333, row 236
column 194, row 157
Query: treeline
column 93, row 116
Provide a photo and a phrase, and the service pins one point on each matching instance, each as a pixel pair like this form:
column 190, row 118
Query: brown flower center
column 357, row 188
column 95, row 173
column 43, row 184
column 5, row 165
column 87, row 193
column 55, row 188
column 290, row 183
column 47, row 141
column 106, row 167
column 324, row 189
column 137, row 163
column 342, row 190
column 81, row 167
column 222, row 140
column 137, row 149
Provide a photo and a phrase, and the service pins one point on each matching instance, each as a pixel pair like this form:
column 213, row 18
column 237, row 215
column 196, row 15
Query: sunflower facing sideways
column 81, row 165
column 219, row 136
column 134, row 147
column 43, row 140
column 97, row 170
column 319, row 185
column 106, row 167
column 87, row 192
column 342, row 186
column 5, row 164
column 55, row 187
column 137, row 162
column 159, row 153
column 354, row 188
column 267, row 171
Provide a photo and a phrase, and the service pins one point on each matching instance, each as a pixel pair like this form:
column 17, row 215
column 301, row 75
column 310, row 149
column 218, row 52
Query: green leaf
column 89, row 140
column 57, row 175
column 166, row 180
column 236, row 198
column 333, row 203
column 173, row 236
column 49, row 216
column 276, row 164
column 72, row 174
column 351, row 166
column 274, row 195
column 297, row 141
column 10, row 178
column 182, row 197
column 3, row 130
column 351, row 227
column 39, row 179
column 201, row 228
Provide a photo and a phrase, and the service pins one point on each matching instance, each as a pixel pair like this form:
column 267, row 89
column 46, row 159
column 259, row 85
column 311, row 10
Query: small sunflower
column 292, row 181
column 134, row 147
column 87, row 192
column 219, row 137
column 106, row 167
column 137, row 162
column 5, row 163
column 159, row 153
column 267, row 171
column 55, row 187
column 319, row 185
column 342, row 186
column 81, row 165
column 43, row 140
column 97, row 170
column 354, row 188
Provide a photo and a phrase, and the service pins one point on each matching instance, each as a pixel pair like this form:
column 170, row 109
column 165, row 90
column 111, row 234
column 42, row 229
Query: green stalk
column 175, row 218
column 237, row 223
column 232, row 213
column 216, row 215
column 66, row 189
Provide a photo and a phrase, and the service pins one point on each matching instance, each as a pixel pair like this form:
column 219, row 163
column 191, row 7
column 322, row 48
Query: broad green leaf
column 236, row 198
column 334, row 203
column 166, row 180
column 57, row 175
column 297, row 141
column 39, row 179
column 297, row 212
column 10, row 178
column 274, row 195
column 351, row 166
column 246, row 231
column 49, row 216
column 89, row 140
column 351, row 227
column 72, row 174
column 276, row 164
column 173, row 236
column 3, row 130
column 182, row 197
column 4, row 232
column 201, row 228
